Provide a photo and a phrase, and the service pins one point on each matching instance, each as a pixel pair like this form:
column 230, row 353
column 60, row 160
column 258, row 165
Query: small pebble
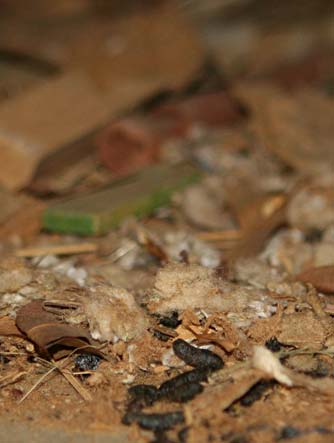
column 87, row 362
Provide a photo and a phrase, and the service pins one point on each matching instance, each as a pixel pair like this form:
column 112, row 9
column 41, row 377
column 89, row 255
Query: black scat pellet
column 196, row 357
column 255, row 393
column 185, row 392
column 289, row 432
column 141, row 396
column 143, row 391
column 273, row 344
column 160, row 335
column 155, row 421
column 193, row 376
column 87, row 362
column 171, row 321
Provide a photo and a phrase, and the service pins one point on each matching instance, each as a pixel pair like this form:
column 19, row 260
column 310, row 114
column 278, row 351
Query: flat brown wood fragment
column 41, row 120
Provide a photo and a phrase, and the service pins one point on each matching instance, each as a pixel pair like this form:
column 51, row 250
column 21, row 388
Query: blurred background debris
column 166, row 201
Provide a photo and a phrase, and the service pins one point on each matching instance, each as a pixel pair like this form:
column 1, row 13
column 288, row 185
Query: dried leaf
column 322, row 278
column 50, row 336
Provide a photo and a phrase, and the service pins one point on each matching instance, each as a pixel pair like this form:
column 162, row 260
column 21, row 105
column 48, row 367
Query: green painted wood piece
column 139, row 195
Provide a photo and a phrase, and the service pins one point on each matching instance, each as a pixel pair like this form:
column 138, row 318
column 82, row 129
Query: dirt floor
column 166, row 222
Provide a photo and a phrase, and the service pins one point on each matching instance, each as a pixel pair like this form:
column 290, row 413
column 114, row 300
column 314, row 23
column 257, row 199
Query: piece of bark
column 40, row 121
column 322, row 278
column 133, row 56
column 127, row 61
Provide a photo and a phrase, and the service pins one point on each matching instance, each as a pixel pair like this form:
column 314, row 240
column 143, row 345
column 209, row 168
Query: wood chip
column 80, row 248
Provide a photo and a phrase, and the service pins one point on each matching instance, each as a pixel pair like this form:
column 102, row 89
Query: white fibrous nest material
column 198, row 251
column 113, row 314
column 179, row 287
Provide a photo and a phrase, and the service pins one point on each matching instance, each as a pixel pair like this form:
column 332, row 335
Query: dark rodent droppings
column 87, row 362
column 184, row 392
column 198, row 358
column 273, row 344
column 193, row 376
column 171, row 321
column 146, row 392
column 256, row 392
column 160, row 335
column 289, row 432
column 154, row 421
column 142, row 396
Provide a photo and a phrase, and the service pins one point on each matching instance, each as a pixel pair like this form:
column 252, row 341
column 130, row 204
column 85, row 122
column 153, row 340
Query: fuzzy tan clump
column 113, row 314
column 179, row 286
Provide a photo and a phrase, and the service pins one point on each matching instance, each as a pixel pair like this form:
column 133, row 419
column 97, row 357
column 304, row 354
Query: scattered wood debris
column 185, row 301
